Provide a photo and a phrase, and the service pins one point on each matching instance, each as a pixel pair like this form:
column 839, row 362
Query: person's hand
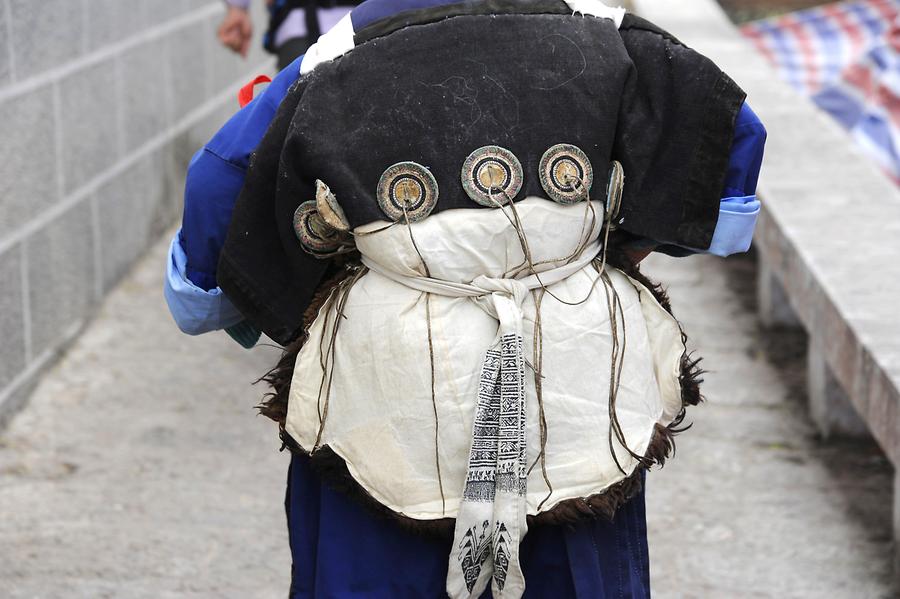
column 236, row 30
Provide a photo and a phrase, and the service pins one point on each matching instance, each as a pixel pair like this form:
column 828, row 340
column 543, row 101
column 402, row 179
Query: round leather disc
column 492, row 176
column 313, row 232
column 407, row 185
column 614, row 191
column 566, row 174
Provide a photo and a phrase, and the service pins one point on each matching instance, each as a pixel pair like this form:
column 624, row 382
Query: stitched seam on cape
column 632, row 21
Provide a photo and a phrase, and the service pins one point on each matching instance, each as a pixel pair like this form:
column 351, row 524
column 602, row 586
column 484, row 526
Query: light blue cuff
column 195, row 310
column 734, row 231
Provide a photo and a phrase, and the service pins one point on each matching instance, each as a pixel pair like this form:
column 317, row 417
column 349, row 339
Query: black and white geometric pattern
column 474, row 550
column 491, row 519
column 482, row 470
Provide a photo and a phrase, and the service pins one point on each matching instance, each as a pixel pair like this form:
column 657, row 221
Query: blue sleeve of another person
column 214, row 180
column 739, row 207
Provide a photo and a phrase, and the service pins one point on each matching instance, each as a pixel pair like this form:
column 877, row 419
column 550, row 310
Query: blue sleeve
column 216, row 175
column 739, row 208
column 195, row 310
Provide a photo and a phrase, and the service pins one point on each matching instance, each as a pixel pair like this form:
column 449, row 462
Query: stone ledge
column 830, row 229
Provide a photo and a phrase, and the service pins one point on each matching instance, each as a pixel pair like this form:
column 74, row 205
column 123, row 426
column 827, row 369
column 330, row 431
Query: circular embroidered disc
column 409, row 185
column 566, row 174
column 312, row 231
column 329, row 209
column 492, row 176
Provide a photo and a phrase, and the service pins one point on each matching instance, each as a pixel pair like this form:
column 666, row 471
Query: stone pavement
column 139, row 470
column 753, row 505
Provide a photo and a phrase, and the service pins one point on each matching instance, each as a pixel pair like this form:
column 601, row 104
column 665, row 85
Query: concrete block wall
column 102, row 103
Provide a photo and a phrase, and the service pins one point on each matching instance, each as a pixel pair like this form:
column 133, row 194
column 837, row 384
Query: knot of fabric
column 503, row 300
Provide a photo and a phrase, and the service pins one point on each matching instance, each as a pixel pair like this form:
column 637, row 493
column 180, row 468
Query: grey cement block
column 773, row 303
column 144, row 93
column 167, row 193
column 169, row 9
column 110, row 21
column 45, row 34
column 103, row 23
column 200, row 4
column 5, row 71
column 188, row 65
column 12, row 317
column 128, row 210
column 174, row 159
column 177, row 154
column 829, row 405
column 204, row 128
column 28, row 177
column 60, row 275
column 13, row 399
column 90, row 123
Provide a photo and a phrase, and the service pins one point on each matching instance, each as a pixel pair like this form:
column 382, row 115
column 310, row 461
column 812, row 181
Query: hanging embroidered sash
column 492, row 516
column 492, row 520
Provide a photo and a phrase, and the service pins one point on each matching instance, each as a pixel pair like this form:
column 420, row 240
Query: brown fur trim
column 691, row 376
column 606, row 503
column 334, row 472
column 275, row 403
column 662, row 444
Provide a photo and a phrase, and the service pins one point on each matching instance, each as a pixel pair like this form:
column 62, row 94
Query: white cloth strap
column 483, row 287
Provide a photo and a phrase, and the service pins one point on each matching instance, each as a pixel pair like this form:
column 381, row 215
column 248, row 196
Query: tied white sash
column 492, row 516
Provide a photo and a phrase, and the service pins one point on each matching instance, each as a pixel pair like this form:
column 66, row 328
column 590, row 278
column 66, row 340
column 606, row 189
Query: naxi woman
column 439, row 212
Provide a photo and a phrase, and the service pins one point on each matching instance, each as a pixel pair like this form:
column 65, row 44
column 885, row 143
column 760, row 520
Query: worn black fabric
column 674, row 138
column 523, row 82
column 433, row 92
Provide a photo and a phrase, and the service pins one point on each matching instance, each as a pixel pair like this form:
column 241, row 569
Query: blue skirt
column 341, row 550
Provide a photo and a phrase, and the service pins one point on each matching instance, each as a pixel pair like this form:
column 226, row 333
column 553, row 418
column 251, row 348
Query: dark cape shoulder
column 674, row 139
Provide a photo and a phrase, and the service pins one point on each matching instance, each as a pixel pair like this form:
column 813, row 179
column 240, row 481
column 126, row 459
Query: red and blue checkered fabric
column 846, row 57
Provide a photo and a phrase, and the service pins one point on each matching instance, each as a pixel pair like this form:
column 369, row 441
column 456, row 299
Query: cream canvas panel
column 381, row 417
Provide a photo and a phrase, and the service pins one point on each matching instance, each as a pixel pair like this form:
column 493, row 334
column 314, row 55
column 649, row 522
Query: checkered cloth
column 846, row 57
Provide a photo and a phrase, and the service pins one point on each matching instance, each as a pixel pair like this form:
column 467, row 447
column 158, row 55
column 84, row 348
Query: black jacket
column 432, row 85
